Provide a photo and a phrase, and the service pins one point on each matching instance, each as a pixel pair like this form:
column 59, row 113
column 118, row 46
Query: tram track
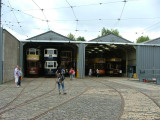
column 29, row 90
column 32, row 99
column 121, row 96
column 138, row 89
column 70, row 100
column 9, row 103
column 63, row 103
column 120, row 89
column 27, row 101
column 41, row 83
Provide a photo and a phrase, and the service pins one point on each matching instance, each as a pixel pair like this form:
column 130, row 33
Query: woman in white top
column 16, row 75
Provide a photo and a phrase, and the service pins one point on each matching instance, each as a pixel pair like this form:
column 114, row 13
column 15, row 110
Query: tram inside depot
column 110, row 60
column 42, row 59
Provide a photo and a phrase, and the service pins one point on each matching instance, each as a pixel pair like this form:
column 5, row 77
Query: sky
column 85, row 18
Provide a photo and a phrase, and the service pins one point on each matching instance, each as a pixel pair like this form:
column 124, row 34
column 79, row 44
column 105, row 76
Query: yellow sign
column 115, row 60
column 33, row 57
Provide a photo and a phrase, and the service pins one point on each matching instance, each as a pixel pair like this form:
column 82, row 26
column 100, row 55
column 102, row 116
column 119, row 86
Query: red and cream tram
column 33, row 61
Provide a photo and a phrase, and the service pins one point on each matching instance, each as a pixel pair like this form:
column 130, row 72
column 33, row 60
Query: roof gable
column 154, row 41
column 111, row 38
column 50, row 35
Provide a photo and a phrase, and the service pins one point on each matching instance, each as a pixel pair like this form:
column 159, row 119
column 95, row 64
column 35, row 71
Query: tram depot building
column 111, row 55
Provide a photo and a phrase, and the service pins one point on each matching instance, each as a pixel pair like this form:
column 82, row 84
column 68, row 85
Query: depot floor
column 92, row 98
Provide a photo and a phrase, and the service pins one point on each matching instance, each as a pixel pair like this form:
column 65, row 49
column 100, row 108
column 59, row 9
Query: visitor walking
column 60, row 79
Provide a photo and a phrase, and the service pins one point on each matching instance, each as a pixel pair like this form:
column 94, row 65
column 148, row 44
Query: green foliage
column 142, row 39
column 81, row 38
column 71, row 36
column 105, row 31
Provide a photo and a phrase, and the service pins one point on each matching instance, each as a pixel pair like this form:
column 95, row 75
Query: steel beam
column 81, row 60
column 21, row 56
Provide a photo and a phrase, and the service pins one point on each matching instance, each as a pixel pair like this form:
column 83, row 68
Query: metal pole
column 0, row 12
column 1, row 55
column 1, row 49
column 21, row 57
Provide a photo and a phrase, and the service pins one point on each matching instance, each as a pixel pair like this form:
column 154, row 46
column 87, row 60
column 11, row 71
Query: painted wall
column 11, row 55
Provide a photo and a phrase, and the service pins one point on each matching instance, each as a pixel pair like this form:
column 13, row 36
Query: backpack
column 59, row 70
column 62, row 77
column 62, row 71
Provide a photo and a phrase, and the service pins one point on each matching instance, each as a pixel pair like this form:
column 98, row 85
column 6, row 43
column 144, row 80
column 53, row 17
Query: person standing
column 71, row 71
column 97, row 71
column 16, row 75
column 90, row 72
column 19, row 77
column 74, row 74
column 60, row 79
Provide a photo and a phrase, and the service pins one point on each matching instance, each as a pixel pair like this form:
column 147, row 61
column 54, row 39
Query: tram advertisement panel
column 32, row 57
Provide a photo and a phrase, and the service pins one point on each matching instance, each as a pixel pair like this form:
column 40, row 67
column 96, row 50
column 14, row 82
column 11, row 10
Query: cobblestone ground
column 103, row 98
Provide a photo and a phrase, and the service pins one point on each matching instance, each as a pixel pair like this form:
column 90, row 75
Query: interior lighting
column 106, row 48
column 92, row 50
column 96, row 48
column 100, row 50
column 113, row 46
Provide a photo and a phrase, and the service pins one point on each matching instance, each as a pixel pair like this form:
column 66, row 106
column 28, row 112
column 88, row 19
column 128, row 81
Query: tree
column 142, row 39
column 81, row 38
column 116, row 32
column 105, row 31
column 71, row 36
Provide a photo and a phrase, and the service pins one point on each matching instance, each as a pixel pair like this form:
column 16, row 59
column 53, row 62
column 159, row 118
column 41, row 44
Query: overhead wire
column 17, row 19
column 42, row 10
column 149, row 28
column 118, row 20
column 76, row 19
column 100, row 19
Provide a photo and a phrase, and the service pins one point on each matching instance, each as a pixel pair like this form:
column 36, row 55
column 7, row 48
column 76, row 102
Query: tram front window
column 54, row 64
column 50, row 64
column 32, row 53
column 55, row 51
column 37, row 52
column 50, row 51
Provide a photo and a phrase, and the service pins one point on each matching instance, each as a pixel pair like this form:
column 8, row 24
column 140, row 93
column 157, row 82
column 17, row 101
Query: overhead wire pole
column 1, row 49
column 121, row 13
column 74, row 16
column 0, row 11
column 42, row 13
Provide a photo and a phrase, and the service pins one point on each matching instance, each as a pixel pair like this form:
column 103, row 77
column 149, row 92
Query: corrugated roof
column 111, row 38
column 154, row 41
column 50, row 35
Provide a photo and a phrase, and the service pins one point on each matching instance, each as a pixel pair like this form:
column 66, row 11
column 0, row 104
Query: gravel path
column 103, row 98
